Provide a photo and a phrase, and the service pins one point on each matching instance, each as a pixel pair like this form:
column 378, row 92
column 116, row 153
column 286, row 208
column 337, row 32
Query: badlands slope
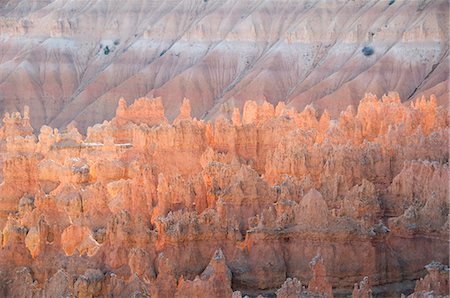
column 73, row 60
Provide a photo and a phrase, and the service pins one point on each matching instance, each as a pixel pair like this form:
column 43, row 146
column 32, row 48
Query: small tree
column 367, row 51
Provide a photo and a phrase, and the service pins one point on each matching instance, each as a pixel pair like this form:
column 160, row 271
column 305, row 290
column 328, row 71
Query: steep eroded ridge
column 72, row 61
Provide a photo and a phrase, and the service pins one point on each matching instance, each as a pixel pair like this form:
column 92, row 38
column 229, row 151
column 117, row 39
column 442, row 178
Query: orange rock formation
column 232, row 207
column 434, row 284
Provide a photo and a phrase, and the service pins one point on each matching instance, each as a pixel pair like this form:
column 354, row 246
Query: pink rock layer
column 270, row 201
column 71, row 61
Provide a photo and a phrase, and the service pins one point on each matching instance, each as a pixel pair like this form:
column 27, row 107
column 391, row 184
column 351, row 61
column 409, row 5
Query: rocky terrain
column 71, row 61
column 266, row 201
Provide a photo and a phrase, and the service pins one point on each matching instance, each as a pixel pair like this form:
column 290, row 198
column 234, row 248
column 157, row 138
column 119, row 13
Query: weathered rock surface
column 434, row 284
column 73, row 62
column 142, row 206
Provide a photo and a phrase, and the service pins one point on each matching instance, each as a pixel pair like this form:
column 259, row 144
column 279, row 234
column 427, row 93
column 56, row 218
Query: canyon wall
column 72, row 61
column 264, row 201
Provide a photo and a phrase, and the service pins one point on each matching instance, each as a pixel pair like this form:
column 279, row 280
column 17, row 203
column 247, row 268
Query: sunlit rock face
column 73, row 61
column 265, row 201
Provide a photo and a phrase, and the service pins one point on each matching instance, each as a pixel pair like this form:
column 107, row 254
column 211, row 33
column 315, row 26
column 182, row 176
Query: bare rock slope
column 72, row 60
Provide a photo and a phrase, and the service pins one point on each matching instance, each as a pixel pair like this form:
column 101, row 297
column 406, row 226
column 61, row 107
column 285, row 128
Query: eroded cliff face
column 73, row 61
column 269, row 201
column 434, row 284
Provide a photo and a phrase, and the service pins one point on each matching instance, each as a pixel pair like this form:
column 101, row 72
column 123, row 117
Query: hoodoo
column 224, row 148
column 225, row 208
